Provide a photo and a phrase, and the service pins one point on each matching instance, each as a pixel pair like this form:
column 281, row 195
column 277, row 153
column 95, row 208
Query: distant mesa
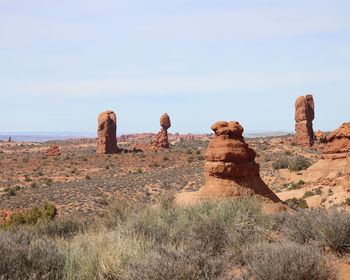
column 53, row 151
column 338, row 143
column 231, row 171
column 107, row 133
column 161, row 139
column 304, row 115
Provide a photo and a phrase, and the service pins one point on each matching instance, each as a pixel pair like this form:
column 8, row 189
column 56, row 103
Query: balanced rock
column 304, row 115
column 53, row 151
column 338, row 143
column 107, row 133
column 161, row 139
column 231, row 170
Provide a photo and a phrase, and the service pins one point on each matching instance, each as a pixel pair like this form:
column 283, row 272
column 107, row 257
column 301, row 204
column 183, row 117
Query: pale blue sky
column 201, row 61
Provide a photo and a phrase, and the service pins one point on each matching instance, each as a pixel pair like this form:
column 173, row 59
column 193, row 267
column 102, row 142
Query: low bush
column 27, row 256
column 308, row 194
column 280, row 163
column 293, row 163
column 328, row 228
column 32, row 216
column 297, row 203
column 287, row 261
column 299, row 163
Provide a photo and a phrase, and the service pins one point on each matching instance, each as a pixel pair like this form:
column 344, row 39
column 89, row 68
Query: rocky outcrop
column 231, row 170
column 106, row 132
column 304, row 115
column 347, row 167
column 161, row 139
column 320, row 140
column 338, row 143
column 320, row 137
column 9, row 139
column 53, row 151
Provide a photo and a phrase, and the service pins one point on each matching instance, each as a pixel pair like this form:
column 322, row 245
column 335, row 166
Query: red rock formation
column 320, row 140
column 53, row 151
column 231, row 170
column 347, row 168
column 320, row 137
column 338, row 143
column 9, row 139
column 304, row 115
column 137, row 137
column 161, row 139
column 106, row 132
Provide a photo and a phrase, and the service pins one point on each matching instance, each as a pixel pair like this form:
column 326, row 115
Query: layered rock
column 231, row 170
column 53, row 151
column 304, row 115
column 338, row 143
column 107, row 133
column 161, row 139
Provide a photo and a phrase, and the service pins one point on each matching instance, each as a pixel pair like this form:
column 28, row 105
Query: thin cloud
column 169, row 85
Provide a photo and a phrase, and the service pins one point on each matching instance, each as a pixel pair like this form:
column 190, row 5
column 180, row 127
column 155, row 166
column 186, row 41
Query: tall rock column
column 107, row 133
column 161, row 139
column 304, row 115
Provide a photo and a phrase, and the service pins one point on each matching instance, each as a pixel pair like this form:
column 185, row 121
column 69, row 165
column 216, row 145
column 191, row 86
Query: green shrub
column 299, row 163
column 103, row 202
column 48, row 211
column 190, row 159
column 308, row 194
column 32, row 215
column 10, row 192
column 296, row 203
column 14, row 220
column 280, row 163
column 47, row 181
column 347, row 201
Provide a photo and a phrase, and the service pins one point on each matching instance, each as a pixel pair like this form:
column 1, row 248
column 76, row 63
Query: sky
column 201, row 61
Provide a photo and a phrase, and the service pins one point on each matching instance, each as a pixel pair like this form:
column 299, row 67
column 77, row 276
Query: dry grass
column 164, row 241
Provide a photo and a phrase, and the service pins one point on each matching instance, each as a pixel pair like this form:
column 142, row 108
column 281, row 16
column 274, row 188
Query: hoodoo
column 304, row 115
column 231, row 170
column 107, row 133
column 161, row 139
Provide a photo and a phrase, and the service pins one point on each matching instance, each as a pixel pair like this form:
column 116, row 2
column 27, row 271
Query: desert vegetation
column 228, row 239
